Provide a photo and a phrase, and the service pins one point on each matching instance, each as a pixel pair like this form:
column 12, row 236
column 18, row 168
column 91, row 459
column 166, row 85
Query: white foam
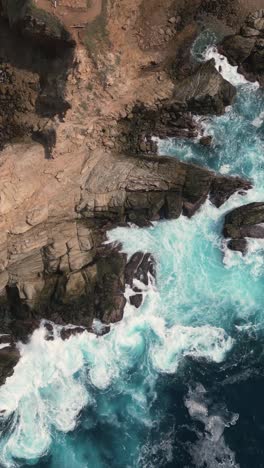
column 258, row 121
column 211, row 449
column 229, row 72
column 4, row 345
column 206, row 341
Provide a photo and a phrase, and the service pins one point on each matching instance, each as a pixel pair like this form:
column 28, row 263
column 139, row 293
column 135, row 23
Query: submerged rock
column 245, row 221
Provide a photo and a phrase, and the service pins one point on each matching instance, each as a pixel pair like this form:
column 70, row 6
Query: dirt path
column 72, row 12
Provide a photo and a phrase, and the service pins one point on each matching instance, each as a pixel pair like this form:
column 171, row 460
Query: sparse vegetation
column 84, row 106
column 17, row 10
column 96, row 37
column 89, row 87
column 51, row 21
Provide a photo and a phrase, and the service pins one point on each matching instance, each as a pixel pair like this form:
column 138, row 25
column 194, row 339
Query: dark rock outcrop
column 246, row 48
column 242, row 222
column 35, row 58
column 9, row 357
column 35, row 23
column 206, row 91
column 141, row 267
column 203, row 92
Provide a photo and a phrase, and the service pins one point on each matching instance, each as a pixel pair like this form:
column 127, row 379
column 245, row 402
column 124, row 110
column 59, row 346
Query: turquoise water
column 178, row 383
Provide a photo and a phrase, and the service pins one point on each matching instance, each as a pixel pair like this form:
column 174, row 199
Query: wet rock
column 246, row 48
column 9, row 357
column 139, row 267
column 66, row 333
column 23, row 329
column 245, row 221
column 136, row 300
column 223, row 187
column 206, row 140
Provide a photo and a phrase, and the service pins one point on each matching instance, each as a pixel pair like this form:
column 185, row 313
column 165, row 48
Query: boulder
column 245, row 221
column 206, row 140
column 133, row 189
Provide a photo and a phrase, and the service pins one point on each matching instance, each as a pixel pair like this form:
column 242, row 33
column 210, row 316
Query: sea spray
column 109, row 401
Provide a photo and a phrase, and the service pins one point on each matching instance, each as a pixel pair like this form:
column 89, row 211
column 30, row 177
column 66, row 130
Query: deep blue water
column 180, row 382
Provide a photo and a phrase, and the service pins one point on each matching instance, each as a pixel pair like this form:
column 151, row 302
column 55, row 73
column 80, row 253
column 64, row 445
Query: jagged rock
column 203, row 92
column 59, row 199
column 237, row 48
column 206, row 91
column 238, row 245
column 33, row 76
column 9, row 357
column 53, row 266
column 246, row 48
column 223, row 187
column 242, row 222
column 150, row 188
column 109, row 288
column 66, row 333
column 139, row 267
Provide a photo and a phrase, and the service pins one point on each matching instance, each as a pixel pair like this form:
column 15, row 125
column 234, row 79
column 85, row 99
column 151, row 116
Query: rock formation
column 245, row 221
column 246, row 48
column 82, row 92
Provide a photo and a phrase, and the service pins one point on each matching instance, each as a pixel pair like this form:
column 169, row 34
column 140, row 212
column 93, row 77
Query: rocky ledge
column 244, row 222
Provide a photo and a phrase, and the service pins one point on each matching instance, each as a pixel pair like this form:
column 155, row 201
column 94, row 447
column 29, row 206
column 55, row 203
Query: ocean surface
column 180, row 382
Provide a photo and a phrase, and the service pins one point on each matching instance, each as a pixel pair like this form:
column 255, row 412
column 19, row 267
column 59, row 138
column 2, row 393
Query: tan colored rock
column 75, row 285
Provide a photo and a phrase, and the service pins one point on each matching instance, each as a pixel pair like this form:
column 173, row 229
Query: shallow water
column 178, row 383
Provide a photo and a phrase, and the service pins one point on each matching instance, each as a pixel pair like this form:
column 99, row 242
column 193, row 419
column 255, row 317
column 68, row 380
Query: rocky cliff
column 246, row 48
column 83, row 88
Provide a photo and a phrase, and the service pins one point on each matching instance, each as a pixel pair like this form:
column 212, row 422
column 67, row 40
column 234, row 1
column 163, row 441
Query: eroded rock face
column 246, row 48
column 54, row 218
column 245, row 221
column 206, row 91
column 128, row 188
